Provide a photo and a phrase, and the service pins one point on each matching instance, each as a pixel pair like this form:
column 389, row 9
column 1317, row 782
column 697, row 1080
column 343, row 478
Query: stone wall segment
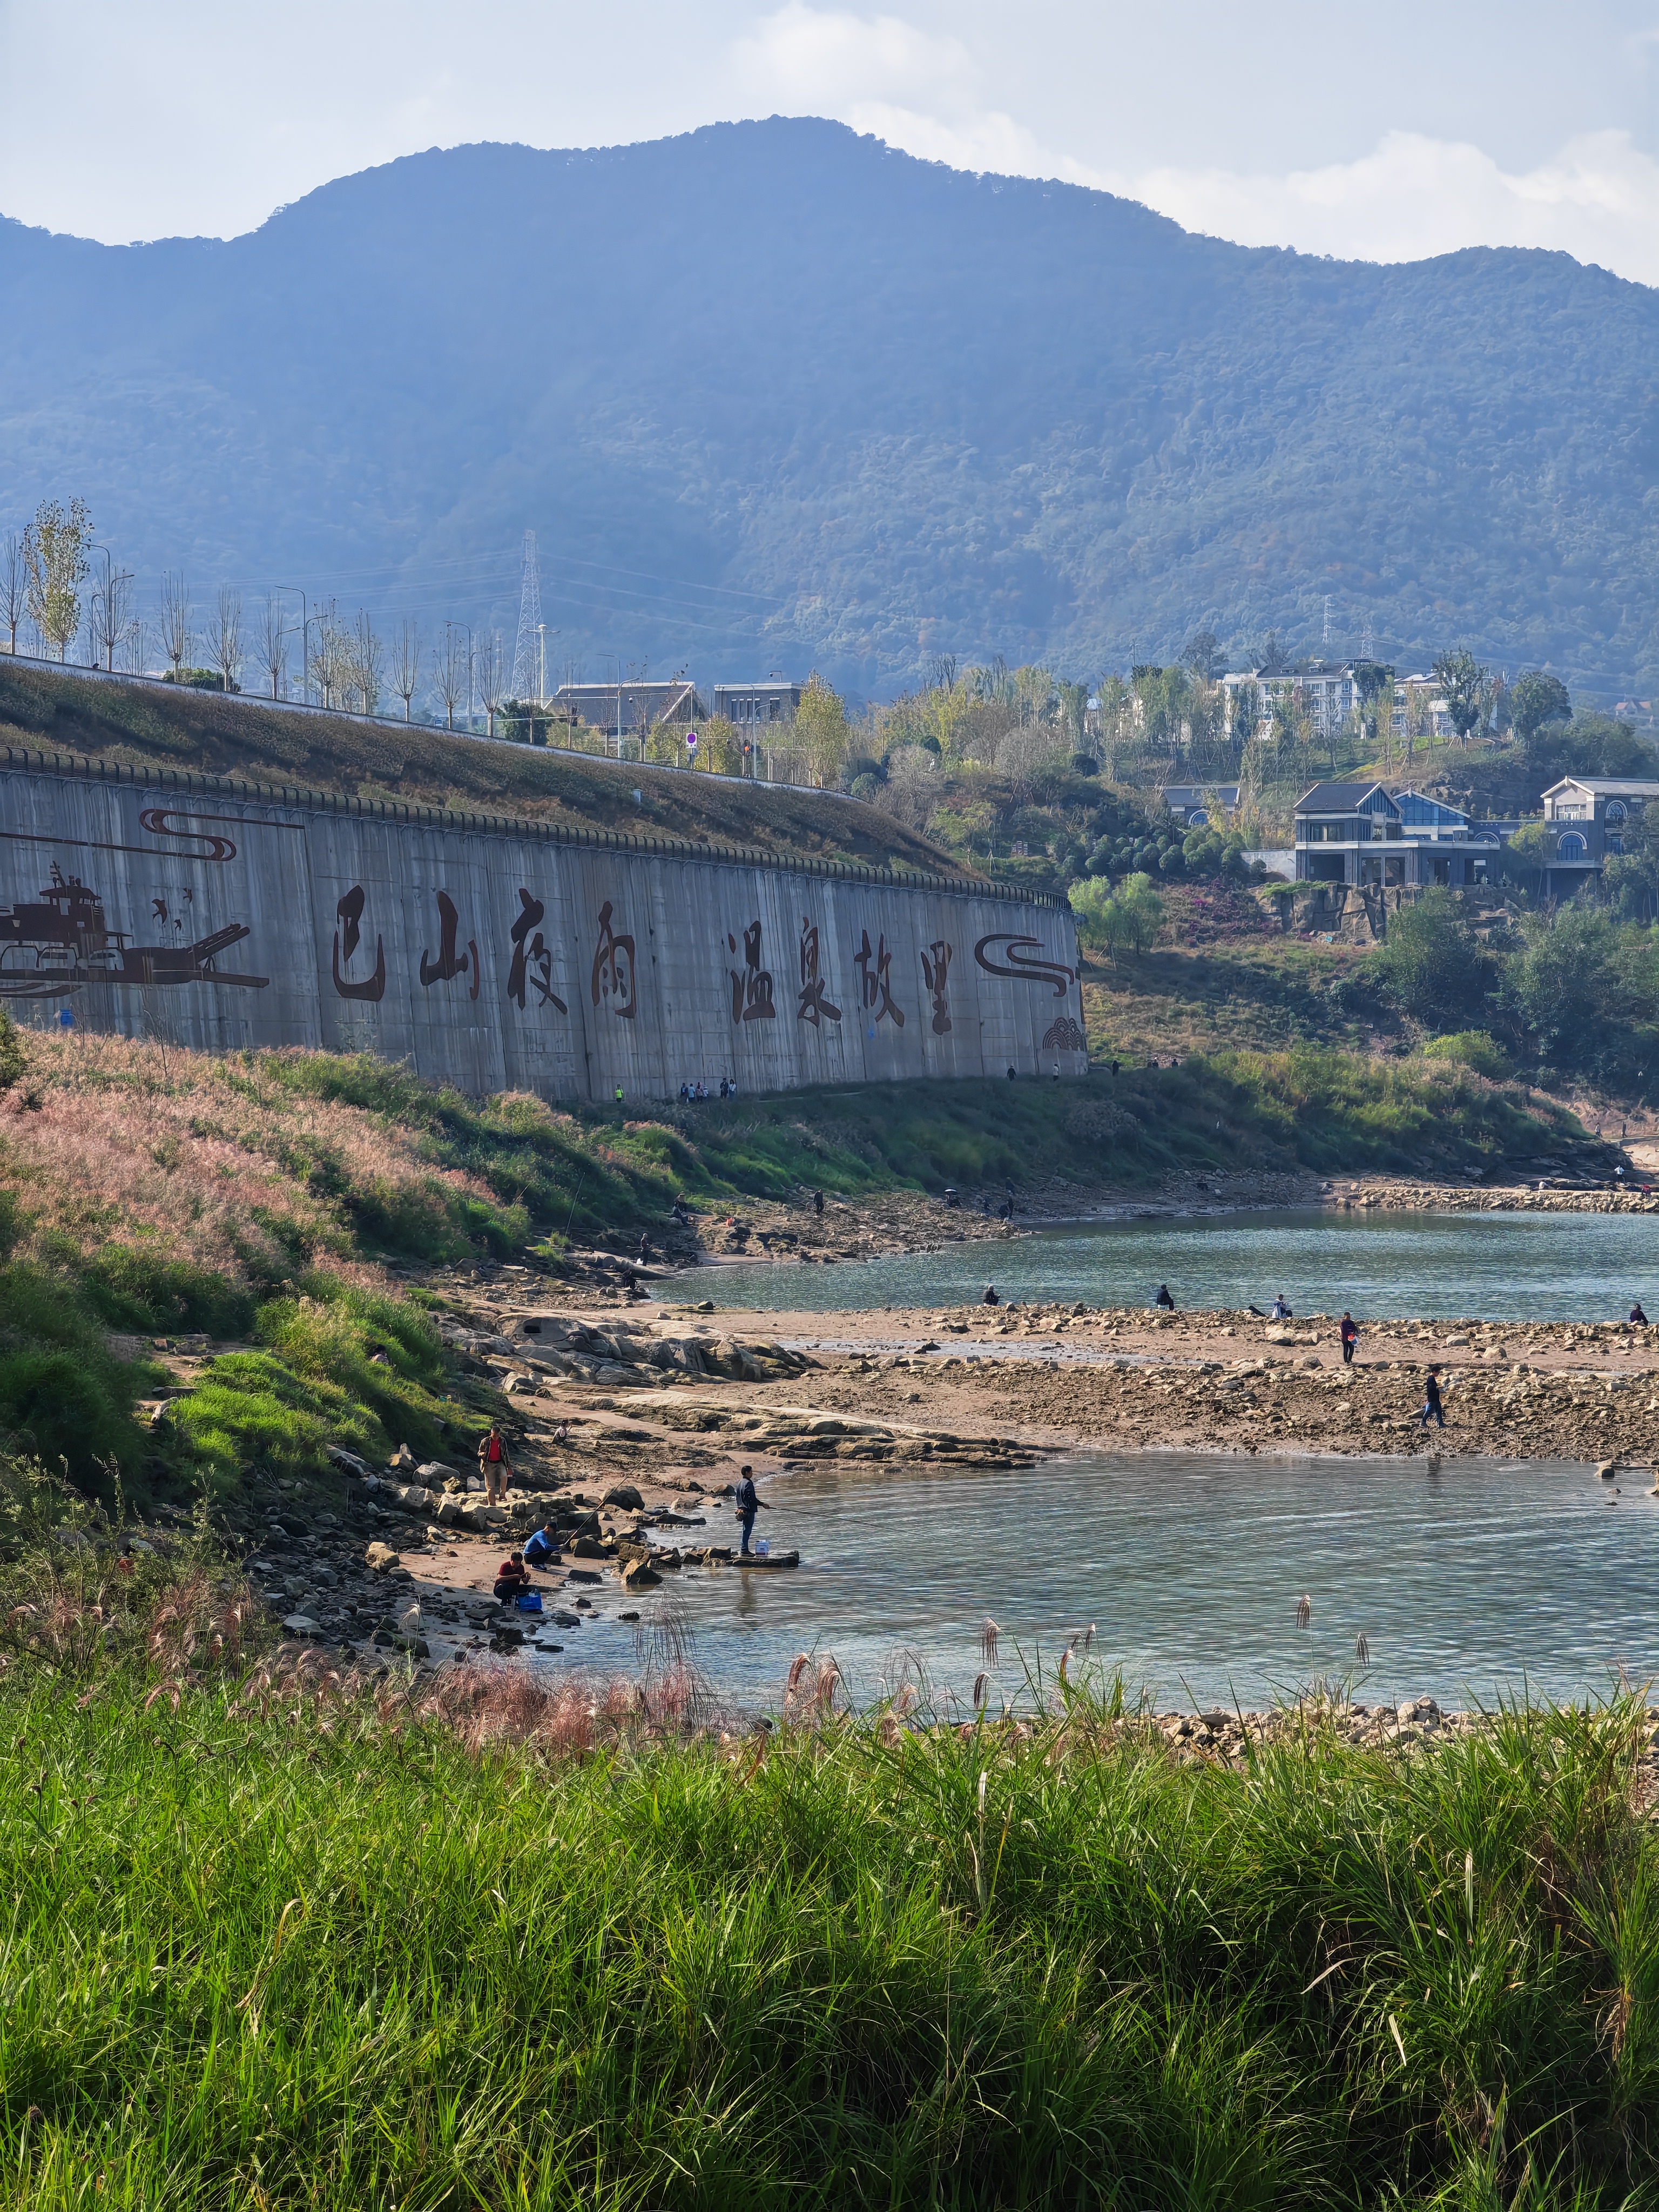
column 499, row 954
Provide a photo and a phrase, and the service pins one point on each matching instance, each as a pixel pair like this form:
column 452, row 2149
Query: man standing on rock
column 495, row 1466
column 747, row 1505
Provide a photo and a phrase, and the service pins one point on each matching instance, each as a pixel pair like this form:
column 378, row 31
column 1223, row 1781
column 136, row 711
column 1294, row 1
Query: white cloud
column 917, row 90
column 1598, row 199
column 1414, row 195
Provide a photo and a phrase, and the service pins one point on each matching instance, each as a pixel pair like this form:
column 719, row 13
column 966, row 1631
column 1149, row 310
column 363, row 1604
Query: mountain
column 774, row 396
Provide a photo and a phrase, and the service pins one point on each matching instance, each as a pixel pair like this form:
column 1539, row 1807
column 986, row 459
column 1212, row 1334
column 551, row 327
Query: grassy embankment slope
column 488, row 1946
column 273, row 1200
column 154, row 726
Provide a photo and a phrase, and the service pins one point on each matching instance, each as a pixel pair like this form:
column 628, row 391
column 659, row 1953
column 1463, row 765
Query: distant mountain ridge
column 773, row 395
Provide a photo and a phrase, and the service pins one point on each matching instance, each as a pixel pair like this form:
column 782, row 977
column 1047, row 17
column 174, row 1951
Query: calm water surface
column 1467, row 1582
column 1513, row 1267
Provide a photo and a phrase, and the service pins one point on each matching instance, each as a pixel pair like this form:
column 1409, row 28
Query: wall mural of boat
column 59, row 943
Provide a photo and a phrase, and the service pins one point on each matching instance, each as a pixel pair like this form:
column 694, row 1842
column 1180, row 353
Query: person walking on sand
column 1432, row 1409
column 495, row 1466
column 1349, row 1333
column 747, row 1505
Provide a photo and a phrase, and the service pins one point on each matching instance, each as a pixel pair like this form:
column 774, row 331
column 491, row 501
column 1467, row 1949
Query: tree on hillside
column 449, row 672
column 270, row 646
column 406, row 658
column 177, row 634
column 1563, row 989
column 1431, row 963
column 111, row 614
column 1535, row 699
column 226, row 650
column 1466, row 687
column 368, row 663
column 1374, row 681
column 14, row 588
column 1203, row 652
column 1129, row 916
column 821, row 730
column 55, row 560
column 492, row 672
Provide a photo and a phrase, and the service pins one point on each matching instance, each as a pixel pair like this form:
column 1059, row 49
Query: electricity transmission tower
column 526, row 651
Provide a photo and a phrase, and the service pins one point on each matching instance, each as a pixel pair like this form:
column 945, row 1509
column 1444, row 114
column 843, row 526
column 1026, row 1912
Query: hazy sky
column 1386, row 133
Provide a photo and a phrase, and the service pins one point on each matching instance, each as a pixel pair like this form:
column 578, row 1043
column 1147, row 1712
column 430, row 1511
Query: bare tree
column 110, row 612
column 270, row 646
column 14, row 588
column 332, row 658
column 55, row 561
column 226, row 649
column 177, row 634
column 368, row 663
column 492, row 675
column 406, row 658
column 449, row 673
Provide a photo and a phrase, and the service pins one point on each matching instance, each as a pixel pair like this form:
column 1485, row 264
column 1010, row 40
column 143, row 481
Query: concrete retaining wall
column 500, row 954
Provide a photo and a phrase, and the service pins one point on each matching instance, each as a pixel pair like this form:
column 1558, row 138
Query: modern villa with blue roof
column 1362, row 833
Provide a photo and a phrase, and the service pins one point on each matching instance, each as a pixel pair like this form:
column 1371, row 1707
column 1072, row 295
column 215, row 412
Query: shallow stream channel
column 1498, row 1267
column 1483, row 1579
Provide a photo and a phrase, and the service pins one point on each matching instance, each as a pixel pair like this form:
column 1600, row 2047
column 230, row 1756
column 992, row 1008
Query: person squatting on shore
column 512, row 1579
column 1432, row 1409
column 543, row 1546
column 747, row 1504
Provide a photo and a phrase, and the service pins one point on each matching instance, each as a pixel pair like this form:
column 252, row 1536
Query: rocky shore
column 628, row 1427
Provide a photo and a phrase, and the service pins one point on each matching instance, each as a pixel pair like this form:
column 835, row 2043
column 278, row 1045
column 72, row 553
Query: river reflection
column 1467, row 1582
column 1506, row 1267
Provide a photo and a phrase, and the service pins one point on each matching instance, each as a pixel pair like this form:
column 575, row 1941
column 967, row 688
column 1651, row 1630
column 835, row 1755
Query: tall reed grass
column 302, row 1943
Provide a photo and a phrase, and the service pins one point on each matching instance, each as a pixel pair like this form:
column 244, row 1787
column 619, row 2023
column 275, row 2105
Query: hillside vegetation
column 875, row 411
column 156, row 726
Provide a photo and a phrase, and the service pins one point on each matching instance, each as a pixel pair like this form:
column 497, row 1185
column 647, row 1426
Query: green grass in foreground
column 264, row 1949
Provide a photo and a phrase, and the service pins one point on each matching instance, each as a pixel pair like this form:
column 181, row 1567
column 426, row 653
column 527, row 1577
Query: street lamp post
column 305, row 638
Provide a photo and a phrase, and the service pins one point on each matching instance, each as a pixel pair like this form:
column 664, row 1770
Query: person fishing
column 1349, row 1332
column 747, row 1504
column 495, row 1466
column 1163, row 1298
column 1280, row 1309
column 1432, row 1409
column 1638, row 1316
column 990, row 1298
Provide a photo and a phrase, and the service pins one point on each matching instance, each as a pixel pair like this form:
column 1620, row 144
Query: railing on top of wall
column 502, row 825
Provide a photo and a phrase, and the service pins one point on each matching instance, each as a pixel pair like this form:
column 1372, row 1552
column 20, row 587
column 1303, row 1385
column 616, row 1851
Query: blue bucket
column 530, row 1601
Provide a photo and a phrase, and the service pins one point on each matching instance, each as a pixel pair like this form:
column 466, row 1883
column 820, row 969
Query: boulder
column 380, row 1559
column 349, row 1463
column 301, row 1624
column 436, row 1475
column 637, row 1576
column 402, row 1461
column 623, row 1493
column 588, row 1547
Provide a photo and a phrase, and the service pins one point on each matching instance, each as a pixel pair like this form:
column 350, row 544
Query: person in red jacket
column 495, row 1466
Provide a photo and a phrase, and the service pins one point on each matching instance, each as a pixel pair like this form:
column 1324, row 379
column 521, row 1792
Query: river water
column 1505, row 1267
column 1482, row 1579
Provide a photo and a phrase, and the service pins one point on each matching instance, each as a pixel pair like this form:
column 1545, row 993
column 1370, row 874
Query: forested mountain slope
column 774, row 395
